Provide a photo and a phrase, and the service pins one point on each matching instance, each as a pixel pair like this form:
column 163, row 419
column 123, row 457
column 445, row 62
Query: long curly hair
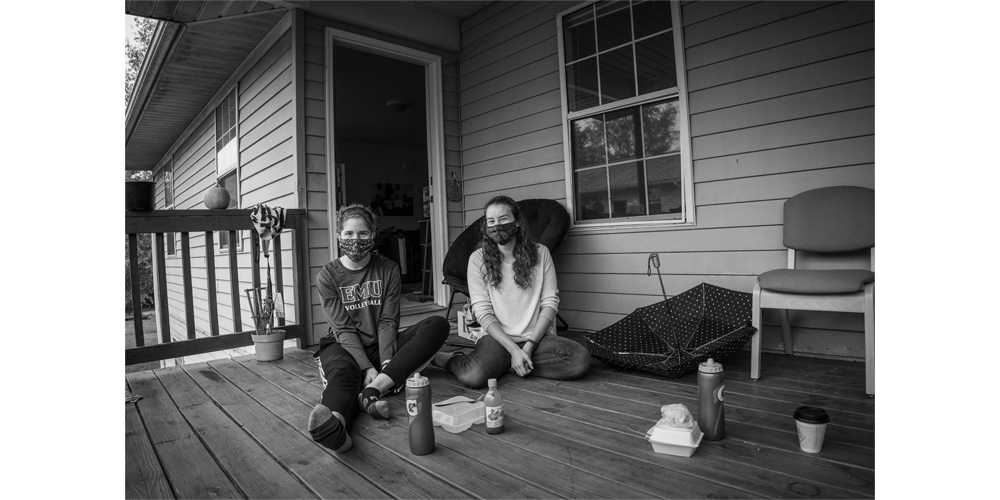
column 525, row 252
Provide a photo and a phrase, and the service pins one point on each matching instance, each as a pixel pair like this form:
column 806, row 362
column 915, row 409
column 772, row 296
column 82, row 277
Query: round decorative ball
column 217, row 198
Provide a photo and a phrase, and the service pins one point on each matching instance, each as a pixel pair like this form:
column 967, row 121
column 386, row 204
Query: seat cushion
column 810, row 281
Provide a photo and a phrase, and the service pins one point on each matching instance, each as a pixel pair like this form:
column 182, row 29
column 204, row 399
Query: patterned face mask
column 502, row 233
column 356, row 249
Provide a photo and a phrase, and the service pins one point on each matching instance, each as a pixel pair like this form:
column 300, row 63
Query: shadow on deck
column 236, row 428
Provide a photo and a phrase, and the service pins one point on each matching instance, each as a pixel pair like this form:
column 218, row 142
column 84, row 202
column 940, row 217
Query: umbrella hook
column 654, row 261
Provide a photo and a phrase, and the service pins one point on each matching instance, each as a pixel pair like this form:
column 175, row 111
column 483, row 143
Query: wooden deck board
column 367, row 457
column 313, row 465
column 251, row 467
column 204, row 423
column 144, row 478
column 188, row 466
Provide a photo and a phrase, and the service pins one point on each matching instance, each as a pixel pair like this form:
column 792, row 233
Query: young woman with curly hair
column 364, row 355
column 513, row 294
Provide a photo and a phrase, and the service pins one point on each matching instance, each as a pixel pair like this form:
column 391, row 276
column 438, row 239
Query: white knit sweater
column 515, row 309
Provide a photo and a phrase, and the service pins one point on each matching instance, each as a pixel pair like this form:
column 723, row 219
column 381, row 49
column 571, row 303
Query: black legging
column 344, row 378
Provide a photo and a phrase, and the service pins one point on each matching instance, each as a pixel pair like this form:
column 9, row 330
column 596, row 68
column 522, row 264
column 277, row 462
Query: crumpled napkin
column 675, row 416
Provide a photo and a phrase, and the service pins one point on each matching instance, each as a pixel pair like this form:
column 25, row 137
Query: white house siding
column 317, row 198
column 267, row 175
column 781, row 98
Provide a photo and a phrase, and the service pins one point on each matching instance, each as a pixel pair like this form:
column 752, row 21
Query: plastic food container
column 676, row 442
column 458, row 414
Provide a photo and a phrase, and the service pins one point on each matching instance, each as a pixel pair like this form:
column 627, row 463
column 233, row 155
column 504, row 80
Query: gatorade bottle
column 711, row 414
column 418, row 407
column 494, row 408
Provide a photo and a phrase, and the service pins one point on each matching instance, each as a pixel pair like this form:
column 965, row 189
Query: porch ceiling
column 189, row 11
column 186, row 67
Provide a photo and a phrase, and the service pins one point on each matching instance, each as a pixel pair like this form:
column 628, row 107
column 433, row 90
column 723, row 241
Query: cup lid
column 710, row 366
column 811, row 415
column 417, row 380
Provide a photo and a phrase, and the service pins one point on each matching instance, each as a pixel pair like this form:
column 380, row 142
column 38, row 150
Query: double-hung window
column 168, row 201
column 625, row 114
column 227, row 157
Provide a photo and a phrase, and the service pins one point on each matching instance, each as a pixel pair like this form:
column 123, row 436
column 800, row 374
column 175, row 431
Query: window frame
column 687, row 172
column 234, row 169
column 168, row 204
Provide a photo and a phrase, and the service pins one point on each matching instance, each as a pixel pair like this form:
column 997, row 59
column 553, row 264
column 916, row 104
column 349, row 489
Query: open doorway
column 380, row 146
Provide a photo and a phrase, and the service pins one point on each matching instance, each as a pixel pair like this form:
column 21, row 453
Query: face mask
column 356, row 249
column 502, row 233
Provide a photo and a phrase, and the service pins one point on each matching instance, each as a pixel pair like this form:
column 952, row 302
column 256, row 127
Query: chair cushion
column 816, row 281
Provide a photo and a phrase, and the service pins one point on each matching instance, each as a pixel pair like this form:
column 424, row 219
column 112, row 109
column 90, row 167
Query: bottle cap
column 811, row 415
column 492, row 383
column 710, row 366
column 417, row 380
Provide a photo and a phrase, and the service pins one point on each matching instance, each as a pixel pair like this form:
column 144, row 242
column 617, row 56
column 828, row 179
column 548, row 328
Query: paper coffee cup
column 811, row 425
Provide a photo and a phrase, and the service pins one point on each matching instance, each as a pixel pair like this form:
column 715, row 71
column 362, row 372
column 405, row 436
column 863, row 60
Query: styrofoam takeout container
column 676, row 442
column 458, row 416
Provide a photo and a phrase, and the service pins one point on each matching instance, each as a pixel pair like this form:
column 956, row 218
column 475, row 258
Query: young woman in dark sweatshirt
column 364, row 355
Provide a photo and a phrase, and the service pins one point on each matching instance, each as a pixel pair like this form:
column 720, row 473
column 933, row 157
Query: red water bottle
column 711, row 414
column 418, row 407
column 493, row 403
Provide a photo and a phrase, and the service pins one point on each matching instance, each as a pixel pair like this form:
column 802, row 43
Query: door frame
column 433, row 90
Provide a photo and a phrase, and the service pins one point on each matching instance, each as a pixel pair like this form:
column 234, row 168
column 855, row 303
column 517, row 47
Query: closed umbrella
column 673, row 336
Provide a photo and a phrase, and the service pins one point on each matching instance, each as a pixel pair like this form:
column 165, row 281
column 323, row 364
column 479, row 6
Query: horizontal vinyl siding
column 781, row 98
column 267, row 175
column 317, row 198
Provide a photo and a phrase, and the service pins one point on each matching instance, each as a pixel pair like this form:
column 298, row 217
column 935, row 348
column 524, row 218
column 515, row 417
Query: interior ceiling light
column 398, row 106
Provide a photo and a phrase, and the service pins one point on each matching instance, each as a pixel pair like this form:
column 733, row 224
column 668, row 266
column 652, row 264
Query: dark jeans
column 414, row 347
column 556, row 358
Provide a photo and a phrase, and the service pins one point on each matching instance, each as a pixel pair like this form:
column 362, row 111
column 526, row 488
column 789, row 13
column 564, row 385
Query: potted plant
column 264, row 307
column 139, row 190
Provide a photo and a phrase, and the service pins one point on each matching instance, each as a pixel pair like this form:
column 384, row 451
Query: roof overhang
column 194, row 51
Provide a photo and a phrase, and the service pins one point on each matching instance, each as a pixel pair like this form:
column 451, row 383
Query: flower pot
column 269, row 347
column 139, row 195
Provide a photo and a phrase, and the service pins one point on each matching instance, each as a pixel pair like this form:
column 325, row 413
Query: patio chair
column 829, row 229
column 548, row 223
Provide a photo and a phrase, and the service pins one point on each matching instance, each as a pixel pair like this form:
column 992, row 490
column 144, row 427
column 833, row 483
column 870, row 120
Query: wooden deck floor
column 236, row 429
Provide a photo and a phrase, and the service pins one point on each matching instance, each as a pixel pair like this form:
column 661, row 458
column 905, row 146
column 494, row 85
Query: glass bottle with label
column 494, row 408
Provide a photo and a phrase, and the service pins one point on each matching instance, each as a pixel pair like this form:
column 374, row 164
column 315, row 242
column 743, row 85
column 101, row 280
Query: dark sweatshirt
column 362, row 307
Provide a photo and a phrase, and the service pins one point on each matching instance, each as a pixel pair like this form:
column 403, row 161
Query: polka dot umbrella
column 673, row 336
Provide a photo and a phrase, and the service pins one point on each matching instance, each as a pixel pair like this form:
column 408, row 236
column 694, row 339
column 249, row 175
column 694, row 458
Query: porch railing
column 185, row 222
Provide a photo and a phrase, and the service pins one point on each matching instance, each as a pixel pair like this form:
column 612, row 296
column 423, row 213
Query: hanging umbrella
column 673, row 336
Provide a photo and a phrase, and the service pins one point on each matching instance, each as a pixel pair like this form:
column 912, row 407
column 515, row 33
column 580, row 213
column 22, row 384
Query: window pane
column 660, row 127
column 650, row 17
column 168, row 186
column 614, row 28
column 229, row 182
column 628, row 193
column 581, row 85
column 664, row 185
column 578, row 35
column 624, row 135
column 592, row 194
column 588, row 142
column 654, row 63
column 617, row 75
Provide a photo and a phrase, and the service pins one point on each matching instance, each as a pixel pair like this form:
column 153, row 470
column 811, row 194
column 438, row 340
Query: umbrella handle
column 654, row 261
